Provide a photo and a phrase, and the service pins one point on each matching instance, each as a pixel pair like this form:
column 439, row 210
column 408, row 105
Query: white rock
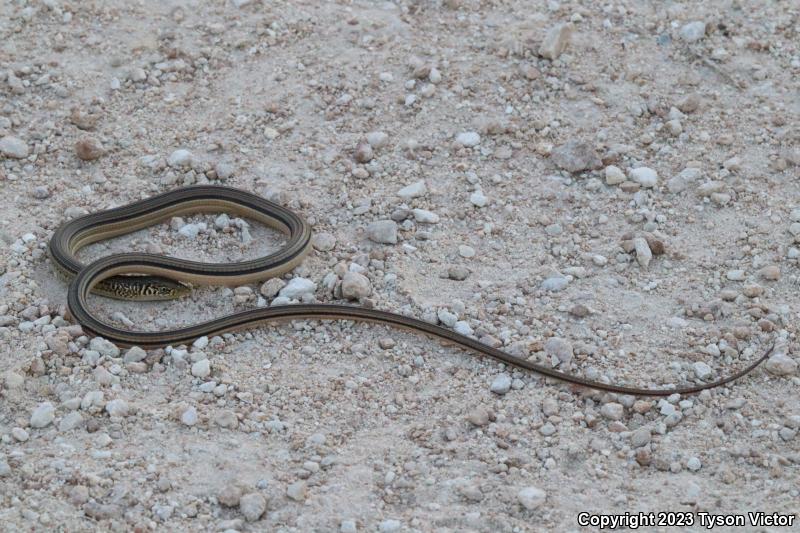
column 134, row 355
column 466, row 251
column 693, row 31
column 559, row 348
column 180, row 158
column 252, row 506
column 531, row 497
column 693, row 464
column 272, row 286
column 556, row 41
column 478, row 199
column 190, row 231
column 468, row 139
column 382, row 231
column 612, row 411
column 104, row 347
column 614, row 175
column 43, row 415
column 201, row 368
column 702, row 370
column 390, row 526
column 297, row 287
column 677, row 322
column 13, row 147
column 377, row 139
column 501, row 384
column 640, row 437
column 71, row 421
column 781, row 364
column 463, row 327
column 415, row 190
column 355, row 286
column 643, row 253
column 324, row 242
column 447, row 318
column 425, row 217
column 91, row 399
column 118, row 407
column 189, row 417
column 736, row 275
column 555, row 283
column 644, row 176
column 297, row 491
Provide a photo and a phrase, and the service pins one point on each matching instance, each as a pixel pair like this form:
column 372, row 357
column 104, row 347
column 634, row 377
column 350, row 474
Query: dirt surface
column 609, row 188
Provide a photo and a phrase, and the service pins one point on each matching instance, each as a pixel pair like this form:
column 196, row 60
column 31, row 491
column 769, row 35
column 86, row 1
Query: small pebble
column 252, row 506
column 468, row 139
column 89, row 149
column 297, row 287
column 501, row 384
column 382, row 231
column 13, row 147
column 531, row 498
column 43, row 415
column 555, row 41
column 644, row 176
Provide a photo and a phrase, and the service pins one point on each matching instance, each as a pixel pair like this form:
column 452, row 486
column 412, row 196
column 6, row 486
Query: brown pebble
column 83, row 120
column 643, row 456
column 89, row 149
column 656, row 245
column 629, row 186
column 642, row 406
column 770, row 273
column 363, row 153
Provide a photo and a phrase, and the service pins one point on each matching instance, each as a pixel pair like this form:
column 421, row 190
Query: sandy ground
column 619, row 177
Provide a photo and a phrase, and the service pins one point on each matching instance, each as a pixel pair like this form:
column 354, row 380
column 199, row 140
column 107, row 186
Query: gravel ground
column 608, row 188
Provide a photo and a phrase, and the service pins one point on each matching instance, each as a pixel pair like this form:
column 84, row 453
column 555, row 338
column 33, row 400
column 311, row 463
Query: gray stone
column 781, row 364
column 468, row 139
column 415, row 190
column 390, row 526
column 324, row 242
column 612, row 411
column 297, row 287
column 104, row 347
column 272, row 286
column 702, row 370
column 134, row 355
column 693, row 31
column 202, row 368
column 117, row 407
column 501, row 384
column 43, row 415
column 297, row 491
column 355, row 286
column 71, row 421
column 559, row 348
column 644, row 176
column 189, row 417
column 556, row 41
column 13, row 147
column 180, row 158
column 383, row 231
column 424, row 216
column 531, row 498
column 555, row 283
column 640, row 437
column 576, row 156
column 252, row 506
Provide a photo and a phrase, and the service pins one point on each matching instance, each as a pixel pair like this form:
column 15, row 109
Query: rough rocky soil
column 610, row 188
